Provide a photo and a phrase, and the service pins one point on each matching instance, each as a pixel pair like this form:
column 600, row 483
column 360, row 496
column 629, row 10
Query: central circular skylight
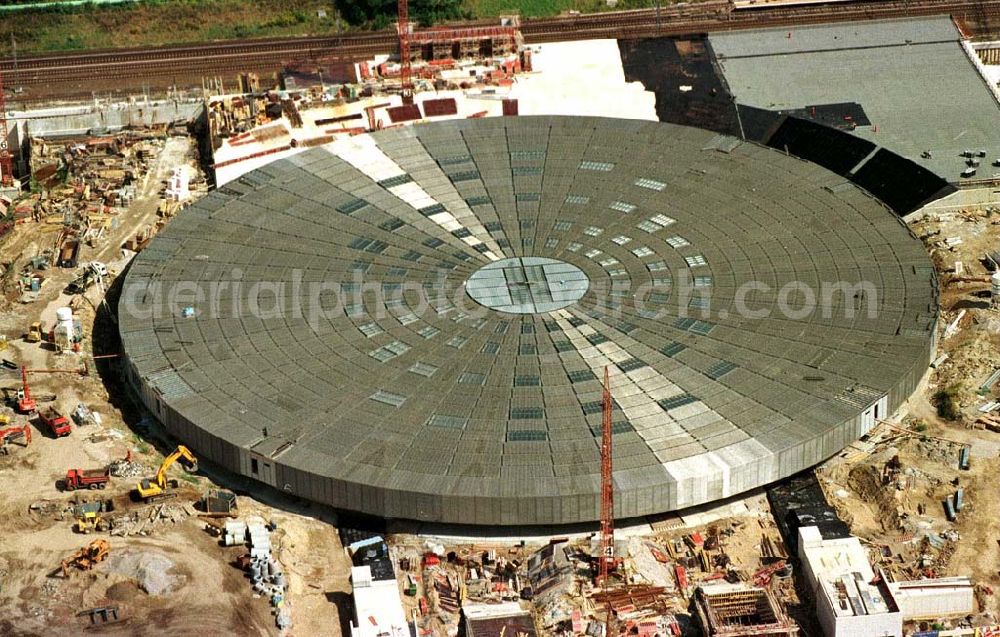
column 527, row 285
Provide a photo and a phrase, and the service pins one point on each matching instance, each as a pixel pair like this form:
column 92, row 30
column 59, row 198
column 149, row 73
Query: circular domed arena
column 415, row 324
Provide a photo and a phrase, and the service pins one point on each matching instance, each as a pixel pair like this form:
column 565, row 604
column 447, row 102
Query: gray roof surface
column 433, row 395
column 915, row 82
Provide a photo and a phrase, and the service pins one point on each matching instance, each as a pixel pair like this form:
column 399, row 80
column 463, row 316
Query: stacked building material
column 266, row 573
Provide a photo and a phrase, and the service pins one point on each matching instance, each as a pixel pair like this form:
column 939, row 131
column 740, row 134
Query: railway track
column 644, row 23
column 50, row 76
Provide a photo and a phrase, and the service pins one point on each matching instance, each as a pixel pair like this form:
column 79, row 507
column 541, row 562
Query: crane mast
column 403, row 30
column 6, row 162
column 607, row 558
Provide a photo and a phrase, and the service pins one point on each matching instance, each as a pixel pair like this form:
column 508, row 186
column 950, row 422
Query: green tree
column 375, row 13
column 946, row 401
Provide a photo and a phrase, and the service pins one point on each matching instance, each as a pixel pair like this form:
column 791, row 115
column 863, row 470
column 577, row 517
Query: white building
column 934, row 598
column 178, row 188
column 568, row 78
column 850, row 600
column 378, row 610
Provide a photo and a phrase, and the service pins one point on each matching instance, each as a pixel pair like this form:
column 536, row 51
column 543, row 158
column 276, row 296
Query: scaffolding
column 473, row 42
column 742, row 611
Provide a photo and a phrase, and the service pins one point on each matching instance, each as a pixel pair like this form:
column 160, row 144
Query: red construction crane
column 25, row 403
column 762, row 577
column 403, row 29
column 28, row 404
column 607, row 558
column 6, row 162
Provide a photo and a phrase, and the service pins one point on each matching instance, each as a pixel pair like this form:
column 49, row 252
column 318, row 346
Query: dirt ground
column 896, row 516
column 210, row 595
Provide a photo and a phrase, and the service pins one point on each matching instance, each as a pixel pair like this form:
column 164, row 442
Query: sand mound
column 149, row 569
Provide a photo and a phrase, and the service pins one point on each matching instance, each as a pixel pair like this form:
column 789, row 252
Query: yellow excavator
column 156, row 488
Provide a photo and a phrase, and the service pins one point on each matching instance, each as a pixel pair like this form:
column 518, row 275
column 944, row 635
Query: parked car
column 99, row 269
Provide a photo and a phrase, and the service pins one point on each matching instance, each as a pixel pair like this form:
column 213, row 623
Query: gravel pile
column 150, row 570
column 125, row 469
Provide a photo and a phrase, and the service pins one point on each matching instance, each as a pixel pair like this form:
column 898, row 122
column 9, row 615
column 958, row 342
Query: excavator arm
column 180, row 452
column 149, row 488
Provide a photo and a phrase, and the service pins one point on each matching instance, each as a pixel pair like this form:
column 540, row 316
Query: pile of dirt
column 866, row 481
column 877, row 482
column 126, row 591
column 149, row 569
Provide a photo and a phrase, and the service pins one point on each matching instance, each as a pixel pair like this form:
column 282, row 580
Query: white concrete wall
column 888, row 625
column 882, row 625
column 78, row 120
column 931, row 602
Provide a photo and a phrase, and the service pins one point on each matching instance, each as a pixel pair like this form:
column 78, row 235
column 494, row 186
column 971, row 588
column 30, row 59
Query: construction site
column 637, row 323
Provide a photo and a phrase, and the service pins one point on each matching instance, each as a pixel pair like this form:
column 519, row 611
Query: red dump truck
column 56, row 422
column 86, row 479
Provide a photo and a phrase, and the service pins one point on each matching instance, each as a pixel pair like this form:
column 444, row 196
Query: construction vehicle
column 87, row 557
column 89, row 522
column 81, row 283
column 69, row 254
column 153, row 489
column 83, row 416
column 35, row 332
column 10, row 434
column 99, row 269
column 3, row 342
column 86, row 479
column 56, row 422
column 763, row 576
column 25, row 404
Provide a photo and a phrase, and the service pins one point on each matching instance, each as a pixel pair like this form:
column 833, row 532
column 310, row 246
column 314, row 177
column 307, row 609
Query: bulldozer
column 90, row 521
column 156, row 488
column 87, row 557
column 34, row 334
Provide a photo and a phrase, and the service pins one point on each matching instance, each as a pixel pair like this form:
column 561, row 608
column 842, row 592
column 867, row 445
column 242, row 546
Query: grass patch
column 546, row 8
column 159, row 22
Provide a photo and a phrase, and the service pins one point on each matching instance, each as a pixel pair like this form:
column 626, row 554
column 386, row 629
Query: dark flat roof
column 916, row 84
